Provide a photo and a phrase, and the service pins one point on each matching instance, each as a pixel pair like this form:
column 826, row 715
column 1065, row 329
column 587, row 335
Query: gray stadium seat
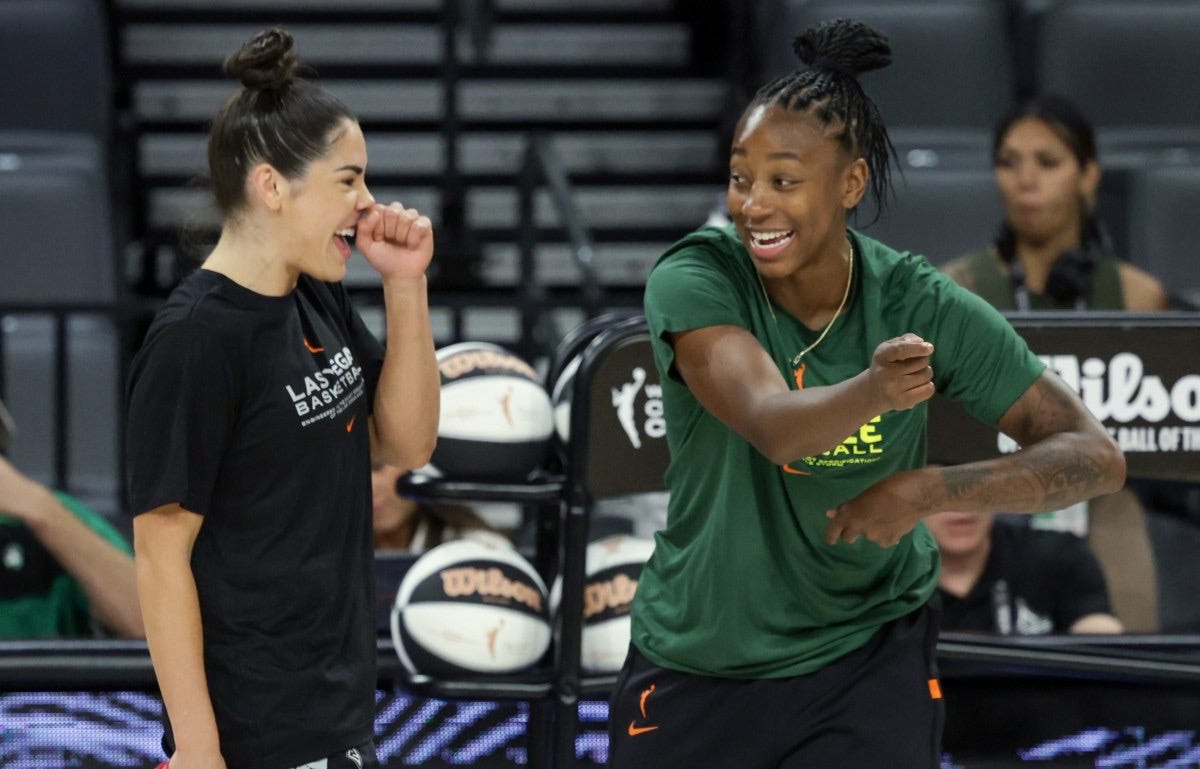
column 57, row 70
column 951, row 60
column 940, row 213
column 1177, row 553
column 1163, row 223
column 56, row 231
column 1129, row 64
column 93, row 403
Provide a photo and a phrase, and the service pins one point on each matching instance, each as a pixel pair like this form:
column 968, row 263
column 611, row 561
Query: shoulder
column 195, row 333
column 1141, row 291
column 328, row 295
column 965, row 270
column 710, row 260
column 198, row 307
column 902, row 276
column 712, row 247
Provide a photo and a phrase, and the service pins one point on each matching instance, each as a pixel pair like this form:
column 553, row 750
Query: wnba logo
column 625, row 399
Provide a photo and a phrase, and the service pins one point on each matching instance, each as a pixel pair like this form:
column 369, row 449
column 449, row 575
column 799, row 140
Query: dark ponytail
column 276, row 117
column 835, row 53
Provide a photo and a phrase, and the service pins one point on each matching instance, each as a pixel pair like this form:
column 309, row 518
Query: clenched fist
column 900, row 374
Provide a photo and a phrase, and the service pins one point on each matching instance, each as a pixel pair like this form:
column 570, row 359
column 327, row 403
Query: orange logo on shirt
column 310, row 348
column 799, row 376
column 350, row 424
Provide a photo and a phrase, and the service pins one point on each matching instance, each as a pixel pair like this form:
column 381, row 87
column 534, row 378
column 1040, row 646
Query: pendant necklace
column 845, row 295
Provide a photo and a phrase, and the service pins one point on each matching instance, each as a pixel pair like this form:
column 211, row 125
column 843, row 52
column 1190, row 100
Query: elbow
column 411, row 454
column 773, row 448
column 422, row 455
column 131, row 625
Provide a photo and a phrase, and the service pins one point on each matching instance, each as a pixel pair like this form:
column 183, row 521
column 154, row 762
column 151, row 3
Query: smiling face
column 1042, row 183
column 790, row 186
column 322, row 207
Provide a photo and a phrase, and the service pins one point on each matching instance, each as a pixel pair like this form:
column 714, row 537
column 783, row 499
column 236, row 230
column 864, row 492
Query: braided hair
column 828, row 90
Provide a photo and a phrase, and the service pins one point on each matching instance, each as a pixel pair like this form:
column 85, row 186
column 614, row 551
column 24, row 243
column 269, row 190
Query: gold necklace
column 829, row 325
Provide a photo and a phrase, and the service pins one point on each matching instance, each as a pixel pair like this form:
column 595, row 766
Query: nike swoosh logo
column 350, row 424
column 792, row 471
column 310, row 348
column 636, row 730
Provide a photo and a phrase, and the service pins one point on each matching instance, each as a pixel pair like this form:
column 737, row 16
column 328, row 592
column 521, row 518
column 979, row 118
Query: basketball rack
column 608, row 455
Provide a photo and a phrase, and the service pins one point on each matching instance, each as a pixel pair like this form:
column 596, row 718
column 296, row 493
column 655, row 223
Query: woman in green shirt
column 782, row 619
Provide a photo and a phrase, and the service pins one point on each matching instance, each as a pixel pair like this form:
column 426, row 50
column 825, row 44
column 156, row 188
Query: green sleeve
column 691, row 287
column 688, row 289
column 979, row 360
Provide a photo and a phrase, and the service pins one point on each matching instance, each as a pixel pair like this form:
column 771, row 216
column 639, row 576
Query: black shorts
column 878, row 706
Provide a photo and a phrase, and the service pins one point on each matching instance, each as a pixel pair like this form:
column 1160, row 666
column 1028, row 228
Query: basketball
column 614, row 565
column 466, row 608
column 496, row 418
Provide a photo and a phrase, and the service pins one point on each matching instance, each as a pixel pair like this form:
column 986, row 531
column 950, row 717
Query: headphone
column 1069, row 282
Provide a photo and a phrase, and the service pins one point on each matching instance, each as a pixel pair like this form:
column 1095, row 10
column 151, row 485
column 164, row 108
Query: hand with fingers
column 397, row 241
column 884, row 513
column 900, row 374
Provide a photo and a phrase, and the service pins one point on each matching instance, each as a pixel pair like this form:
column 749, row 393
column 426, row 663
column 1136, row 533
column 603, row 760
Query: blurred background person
column 411, row 525
column 1011, row 579
column 1052, row 252
column 64, row 570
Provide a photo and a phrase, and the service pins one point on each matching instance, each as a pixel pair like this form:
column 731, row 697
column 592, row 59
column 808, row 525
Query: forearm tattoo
column 1062, row 463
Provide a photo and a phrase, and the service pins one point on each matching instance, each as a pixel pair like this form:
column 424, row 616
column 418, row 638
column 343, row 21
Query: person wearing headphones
column 1052, row 252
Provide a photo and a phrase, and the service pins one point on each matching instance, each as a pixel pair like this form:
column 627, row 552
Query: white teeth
column 766, row 236
column 346, row 233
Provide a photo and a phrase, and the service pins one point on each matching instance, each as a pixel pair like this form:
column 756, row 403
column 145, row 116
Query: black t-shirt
column 252, row 411
column 1035, row 582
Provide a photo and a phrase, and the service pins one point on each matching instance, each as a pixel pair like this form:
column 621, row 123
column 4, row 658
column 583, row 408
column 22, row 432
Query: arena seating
column 1122, row 62
column 57, row 71
column 58, row 234
column 940, row 213
column 1163, row 202
column 951, row 64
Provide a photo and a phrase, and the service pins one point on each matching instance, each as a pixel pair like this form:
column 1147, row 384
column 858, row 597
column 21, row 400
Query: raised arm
column 162, row 541
column 734, row 378
column 398, row 242
column 104, row 571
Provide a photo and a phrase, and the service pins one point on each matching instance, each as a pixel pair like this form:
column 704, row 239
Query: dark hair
column 836, row 52
column 1061, row 116
column 1069, row 124
column 275, row 117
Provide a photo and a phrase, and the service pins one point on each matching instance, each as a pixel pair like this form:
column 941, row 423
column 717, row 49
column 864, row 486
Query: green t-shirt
column 38, row 598
column 741, row 583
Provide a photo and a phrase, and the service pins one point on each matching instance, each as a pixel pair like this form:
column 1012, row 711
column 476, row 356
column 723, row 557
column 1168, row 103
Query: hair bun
column 267, row 61
column 843, row 47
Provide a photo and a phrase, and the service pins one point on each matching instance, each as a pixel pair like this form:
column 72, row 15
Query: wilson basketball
column 614, row 565
column 467, row 608
column 496, row 419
